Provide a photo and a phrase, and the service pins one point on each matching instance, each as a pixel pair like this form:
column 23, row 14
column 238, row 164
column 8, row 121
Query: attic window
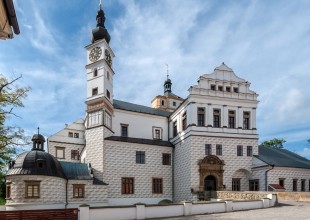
column 212, row 87
column 227, row 88
column 70, row 134
column 236, row 89
column 40, row 163
column 162, row 102
column 220, row 88
column 174, row 103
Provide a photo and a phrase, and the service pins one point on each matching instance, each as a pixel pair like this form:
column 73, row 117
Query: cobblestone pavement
column 285, row 210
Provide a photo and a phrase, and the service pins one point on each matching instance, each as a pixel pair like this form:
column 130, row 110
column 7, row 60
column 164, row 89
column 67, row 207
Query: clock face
column 95, row 54
column 108, row 57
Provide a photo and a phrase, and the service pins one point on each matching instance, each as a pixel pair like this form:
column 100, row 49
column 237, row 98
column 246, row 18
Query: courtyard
column 284, row 210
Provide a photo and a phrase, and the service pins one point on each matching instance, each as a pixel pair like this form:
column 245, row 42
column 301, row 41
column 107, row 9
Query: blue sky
column 265, row 42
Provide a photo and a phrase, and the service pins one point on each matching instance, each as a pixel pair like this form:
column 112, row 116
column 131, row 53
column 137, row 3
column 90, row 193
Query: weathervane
column 167, row 71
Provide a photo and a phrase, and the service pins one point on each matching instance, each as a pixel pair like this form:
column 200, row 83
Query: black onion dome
column 36, row 162
column 38, row 137
column 100, row 32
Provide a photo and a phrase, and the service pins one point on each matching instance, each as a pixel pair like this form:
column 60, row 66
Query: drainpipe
column 266, row 177
column 66, row 193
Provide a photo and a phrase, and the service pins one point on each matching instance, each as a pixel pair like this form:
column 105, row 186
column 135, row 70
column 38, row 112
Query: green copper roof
column 282, row 158
column 76, row 171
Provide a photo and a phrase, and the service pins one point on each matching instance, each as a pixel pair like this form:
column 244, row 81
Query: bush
column 165, row 202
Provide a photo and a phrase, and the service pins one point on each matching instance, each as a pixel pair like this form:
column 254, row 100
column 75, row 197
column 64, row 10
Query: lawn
column 2, row 201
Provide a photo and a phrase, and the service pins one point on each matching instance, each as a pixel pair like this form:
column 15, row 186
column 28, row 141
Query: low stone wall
column 294, row 196
column 173, row 210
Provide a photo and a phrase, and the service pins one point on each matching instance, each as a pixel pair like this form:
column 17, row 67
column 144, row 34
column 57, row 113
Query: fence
column 174, row 210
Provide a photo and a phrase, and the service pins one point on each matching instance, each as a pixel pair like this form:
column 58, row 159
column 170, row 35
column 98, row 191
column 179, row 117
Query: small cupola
column 100, row 32
column 38, row 141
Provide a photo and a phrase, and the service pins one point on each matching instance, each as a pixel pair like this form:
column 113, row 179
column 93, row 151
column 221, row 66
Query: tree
column 274, row 143
column 11, row 96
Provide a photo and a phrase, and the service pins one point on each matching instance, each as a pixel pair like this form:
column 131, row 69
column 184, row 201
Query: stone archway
column 211, row 166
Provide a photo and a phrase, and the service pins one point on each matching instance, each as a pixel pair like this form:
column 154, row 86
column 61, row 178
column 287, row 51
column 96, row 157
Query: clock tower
column 99, row 95
column 99, row 70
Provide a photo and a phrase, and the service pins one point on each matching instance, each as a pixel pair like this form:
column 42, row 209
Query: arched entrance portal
column 211, row 173
column 210, row 183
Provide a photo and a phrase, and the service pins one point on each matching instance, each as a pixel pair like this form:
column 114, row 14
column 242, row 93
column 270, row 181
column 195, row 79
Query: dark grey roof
column 99, row 182
column 76, row 171
column 139, row 108
column 282, row 158
column 140, row 141
column 36, row 163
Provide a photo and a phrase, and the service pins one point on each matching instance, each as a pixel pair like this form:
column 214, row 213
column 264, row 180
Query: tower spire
column 100, row 32
column 167, row 84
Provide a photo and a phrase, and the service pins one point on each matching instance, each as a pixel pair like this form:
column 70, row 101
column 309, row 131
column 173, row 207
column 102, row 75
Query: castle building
column 123, row 153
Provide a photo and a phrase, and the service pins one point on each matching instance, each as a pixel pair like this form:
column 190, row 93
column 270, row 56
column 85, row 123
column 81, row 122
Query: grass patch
column 2, row 201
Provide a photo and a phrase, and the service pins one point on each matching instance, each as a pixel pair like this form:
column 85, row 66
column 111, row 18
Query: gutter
column 266, row 177
column 66, row 193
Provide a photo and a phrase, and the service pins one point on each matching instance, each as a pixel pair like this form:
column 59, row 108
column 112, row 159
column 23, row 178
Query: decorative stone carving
column 211, row 166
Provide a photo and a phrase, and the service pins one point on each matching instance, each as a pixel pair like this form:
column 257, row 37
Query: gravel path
column 284, row 210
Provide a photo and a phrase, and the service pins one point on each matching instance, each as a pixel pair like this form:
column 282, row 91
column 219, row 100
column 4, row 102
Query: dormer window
column 40, row 163
column 236, row 89
column 213, row 87
column 70, row 134
column 227, row 88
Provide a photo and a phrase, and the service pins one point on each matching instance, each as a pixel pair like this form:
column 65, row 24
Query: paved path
column 288, row 210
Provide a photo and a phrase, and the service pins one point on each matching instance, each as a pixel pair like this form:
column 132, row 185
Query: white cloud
column 305, row 152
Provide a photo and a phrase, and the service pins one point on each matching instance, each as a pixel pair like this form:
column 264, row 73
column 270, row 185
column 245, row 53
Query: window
column 219, row 149
column 75, row 155
column 212, row 87
column 70, row 134
column 32, row 189
column 201, row 116
column 231, row 119
column 127, row 185
column 95, row 73
column 303, row 185
column 108, row 94
column 60, row 152
column 8, row 191
column 220, row 88
column 227, row 88
column 235, row 186
column 208, row 149
column 174, row 103
column 107, row 120
column 157, row 133
column 216, row 118
column 249, row 151
column 157, row 185
column 246, row 120
column 162, row 102
column 236, row 89
column 254, row 185
column 94, row 91
column 95, row 118
column 184, row 121
column 175, row 129
column 239, row 150
column 295, row 184
column 124, row 130
column 281, row 182
column 108, row 75
column 140, row 157
column 78, row 191
column 76, row 135
column 166, row 159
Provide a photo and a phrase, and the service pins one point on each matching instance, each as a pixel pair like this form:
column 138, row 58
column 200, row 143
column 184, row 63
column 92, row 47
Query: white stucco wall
column 139, row 125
